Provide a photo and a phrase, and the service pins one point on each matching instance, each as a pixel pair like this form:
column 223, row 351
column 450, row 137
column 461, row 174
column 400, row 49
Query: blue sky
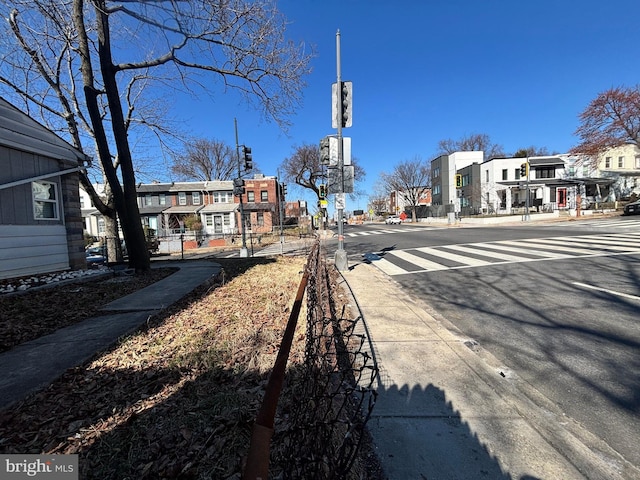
column 423, row 71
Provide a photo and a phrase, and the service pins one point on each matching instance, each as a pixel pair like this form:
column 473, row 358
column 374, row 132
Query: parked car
column 393, row 220
column 632, row 208
column 94, row 260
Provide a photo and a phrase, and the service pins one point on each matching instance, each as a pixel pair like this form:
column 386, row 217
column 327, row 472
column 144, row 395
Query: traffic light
column 347, row 104
column 322, row 191
column 283, row 190
column 458, row 180
column 524, row 169
column 238, row 186
column 342, row 98
column 248, row 161
column 324, row 151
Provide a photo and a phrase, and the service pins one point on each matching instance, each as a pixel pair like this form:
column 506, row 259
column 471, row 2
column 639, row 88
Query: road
column 557, row 303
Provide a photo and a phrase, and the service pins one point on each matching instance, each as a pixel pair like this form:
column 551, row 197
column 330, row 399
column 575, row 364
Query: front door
column 562, row 198
column 217, row 224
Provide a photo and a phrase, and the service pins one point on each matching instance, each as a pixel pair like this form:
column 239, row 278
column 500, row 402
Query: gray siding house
column 40, row 219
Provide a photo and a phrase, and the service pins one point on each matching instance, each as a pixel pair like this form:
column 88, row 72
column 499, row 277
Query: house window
column 162, row 198
column 264, row 196
column 486, row 175
column 516, row 173
column 81, row 201
column 221, row 197
column 620, row 162
column 195, row 196
column 638, row 161
column 45, row 200
column 182, row 198
column 147, row 201
column 607, row 162
column 585, row 170
column 545, row 172
column 572, row 171
column 260, row 219
column 101, row 226
column 505, row 174
column 251, row 196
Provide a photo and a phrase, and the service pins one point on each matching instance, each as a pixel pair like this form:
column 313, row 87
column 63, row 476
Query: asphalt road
column 561, row 313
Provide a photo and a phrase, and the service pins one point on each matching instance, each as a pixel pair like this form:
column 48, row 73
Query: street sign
column 340, row 201
column 333, row 151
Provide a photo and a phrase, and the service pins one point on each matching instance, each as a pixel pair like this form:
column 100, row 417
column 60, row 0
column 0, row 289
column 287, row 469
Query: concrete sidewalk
column 446, row 409
column 33, row 365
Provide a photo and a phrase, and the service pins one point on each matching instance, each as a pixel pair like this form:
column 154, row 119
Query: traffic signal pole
column 340, row 258
column 243, row 251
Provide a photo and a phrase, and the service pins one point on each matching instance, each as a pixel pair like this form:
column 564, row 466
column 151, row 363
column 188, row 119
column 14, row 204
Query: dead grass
column 178, row 399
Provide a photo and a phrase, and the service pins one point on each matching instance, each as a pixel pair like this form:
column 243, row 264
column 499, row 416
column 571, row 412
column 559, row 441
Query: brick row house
column 168, row 209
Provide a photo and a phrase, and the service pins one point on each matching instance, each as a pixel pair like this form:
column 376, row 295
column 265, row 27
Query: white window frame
column 38, row 213
column 182, row 198
column 195, row 197
column 162, row 199
column 620, row 162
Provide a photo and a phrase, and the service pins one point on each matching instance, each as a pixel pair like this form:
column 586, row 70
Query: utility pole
column 340, row 258
column 527, row 215
column 243, row 251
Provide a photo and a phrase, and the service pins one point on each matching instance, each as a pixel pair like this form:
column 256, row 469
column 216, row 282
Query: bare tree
column 610, row 120
column 471, row 143
column 65, row 64
column 379, row 198
column 304, row 168
column 410, row 178
column 206, row 160
column 531, row 151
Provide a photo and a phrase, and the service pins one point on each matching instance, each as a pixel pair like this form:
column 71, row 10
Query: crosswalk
column 616, row 222
column 383, row 231
column 479, row 254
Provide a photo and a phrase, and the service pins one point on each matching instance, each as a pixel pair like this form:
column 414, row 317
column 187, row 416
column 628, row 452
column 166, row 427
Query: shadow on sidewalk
column 419, row 434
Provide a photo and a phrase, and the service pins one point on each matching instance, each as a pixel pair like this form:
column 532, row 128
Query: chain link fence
column 333, row 393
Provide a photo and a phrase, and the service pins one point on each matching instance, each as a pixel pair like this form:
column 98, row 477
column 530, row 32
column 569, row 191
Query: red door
column 562, row 197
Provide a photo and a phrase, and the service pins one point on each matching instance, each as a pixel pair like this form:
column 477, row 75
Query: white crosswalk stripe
column 384, row 231
column 479, row 254
column 611, row 223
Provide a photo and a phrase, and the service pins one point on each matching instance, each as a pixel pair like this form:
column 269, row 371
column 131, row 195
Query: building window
column 436, row 172
column 182, row 198
column 486, row 176
column 607, row 162
column 545, row 172
column 638, row 161
column 147, row 201
column 620, row 162
column 162, row 198
column 572, row 171
column 260, row 218
column 505, row 174
column 251, row 196
column 222, row 197
column 585, row 170
column 516, row 173
column 195, row 196
column 45, row 200
column 436, row 189
column 264, row 196
column 81, row 201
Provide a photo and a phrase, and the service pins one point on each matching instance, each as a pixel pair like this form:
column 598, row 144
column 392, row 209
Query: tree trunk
column 127, row 203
